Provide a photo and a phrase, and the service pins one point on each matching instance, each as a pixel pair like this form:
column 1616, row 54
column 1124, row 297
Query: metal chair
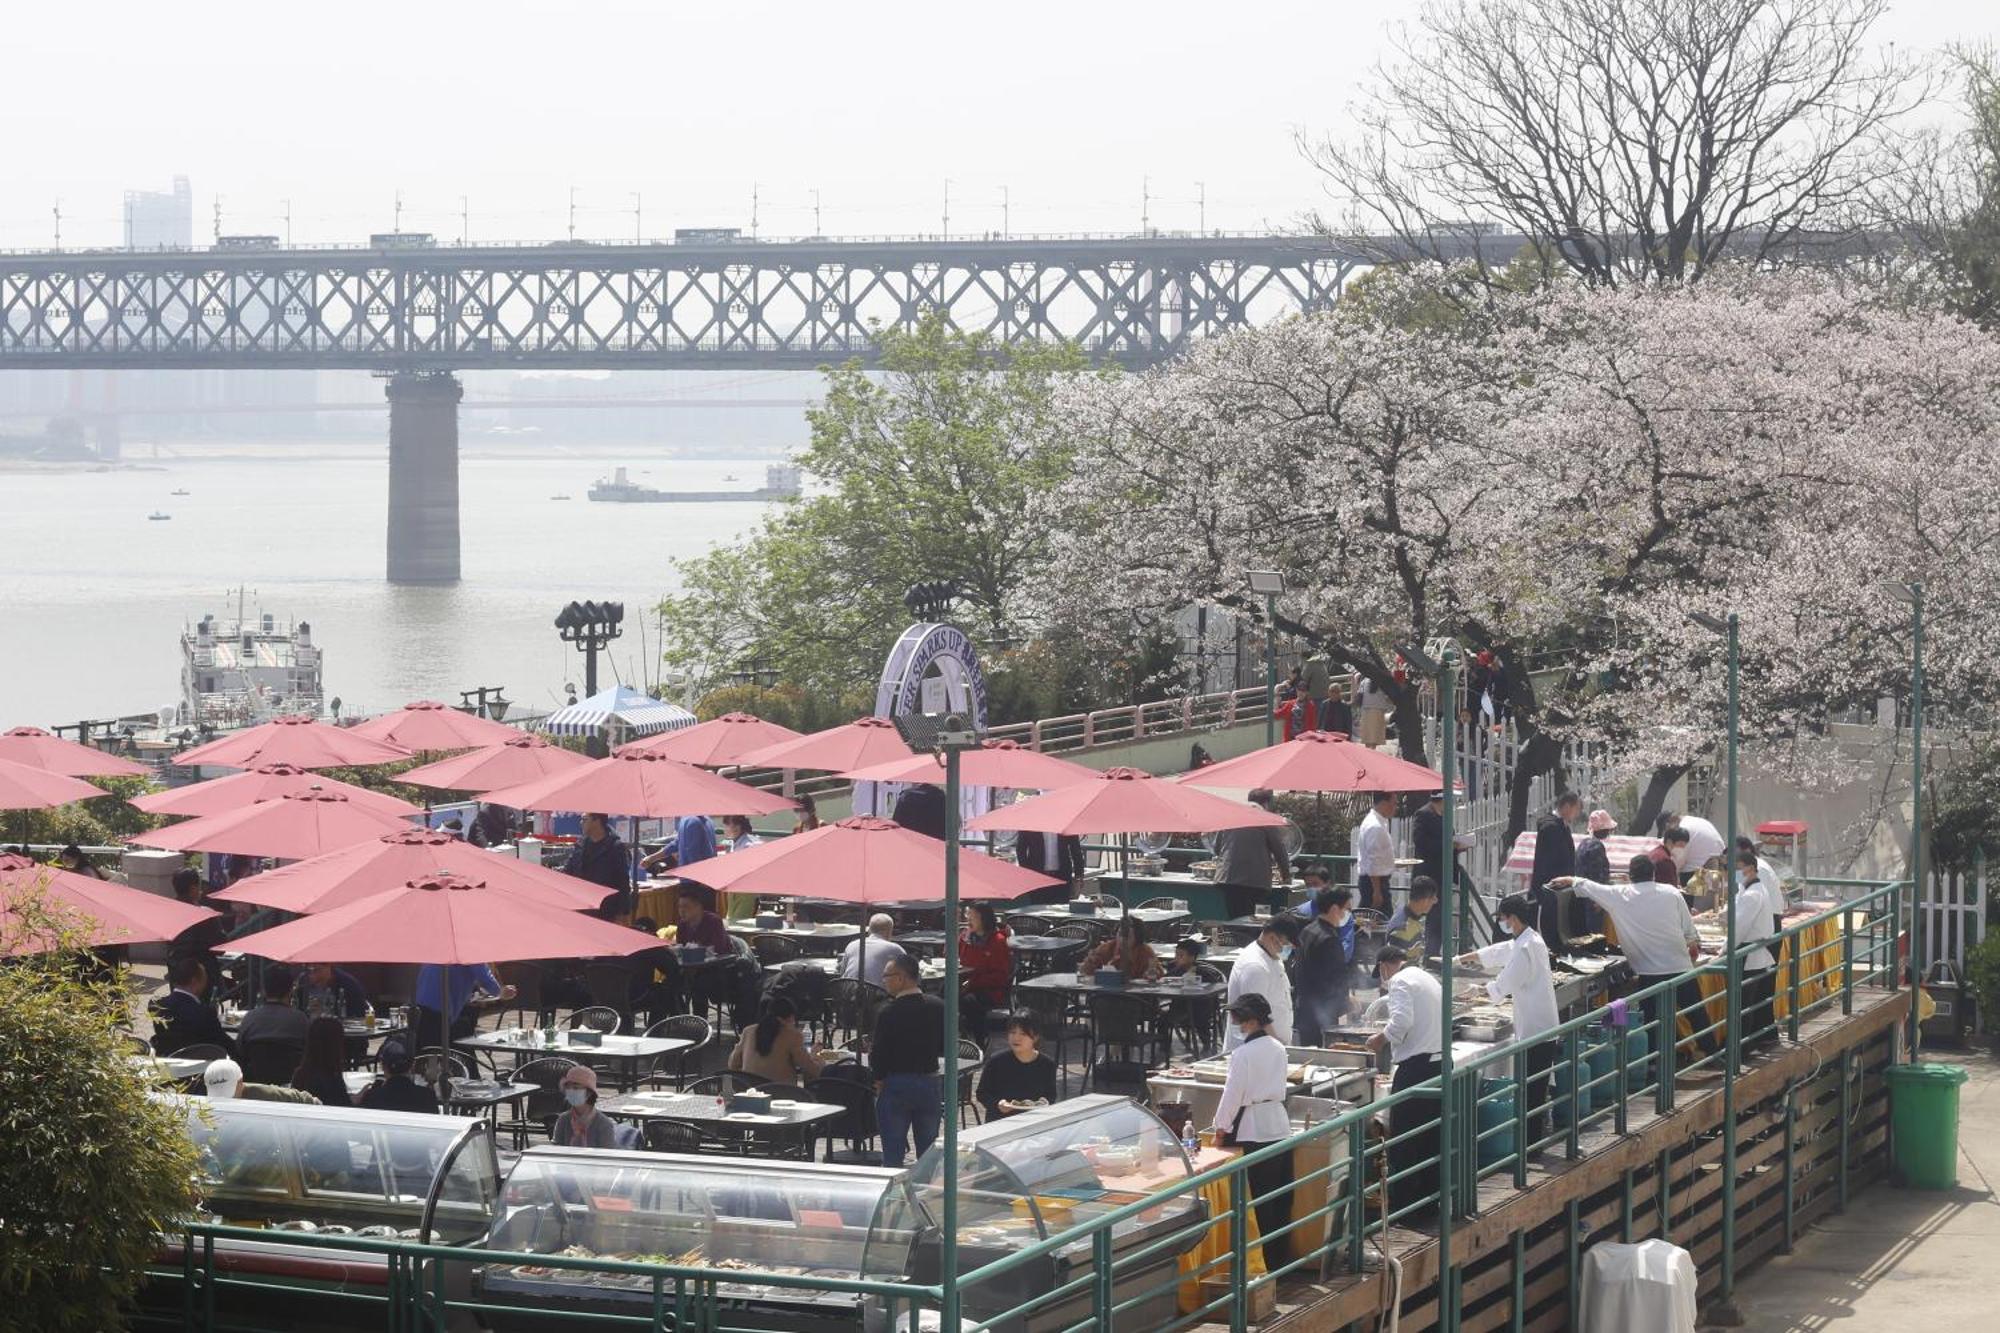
column 136, row 1045
column 1090, row 932
column 201, row 1050
column 1125, row 1026
column 856, row 1121
column 437, row 1067
column 689, row 1027
column 970, row 1057
column 596, row 1017
column 610, row 985
column 270, row 1059
column 1200, row 1018
column 539, row 1108
column 852, row 1005
column 1021, row 923
column 526, row 979
column 682, row 1137
column 775, row 950
column 728, row 1083
column 1160, row 904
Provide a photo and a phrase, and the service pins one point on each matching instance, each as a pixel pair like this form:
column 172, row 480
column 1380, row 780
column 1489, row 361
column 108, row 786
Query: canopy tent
column 618, row 714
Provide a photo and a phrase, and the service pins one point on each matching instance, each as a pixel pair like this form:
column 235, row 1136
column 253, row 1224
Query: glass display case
column 799, row 1219
column 1027, row 1177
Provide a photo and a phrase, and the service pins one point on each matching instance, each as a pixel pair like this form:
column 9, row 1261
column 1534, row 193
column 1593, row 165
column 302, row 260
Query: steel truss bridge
column 1134, row 301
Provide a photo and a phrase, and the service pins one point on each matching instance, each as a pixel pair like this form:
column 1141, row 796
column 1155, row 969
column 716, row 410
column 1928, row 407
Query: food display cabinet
column 756, row 1217
column 1027, row 1177
column 332, row 1171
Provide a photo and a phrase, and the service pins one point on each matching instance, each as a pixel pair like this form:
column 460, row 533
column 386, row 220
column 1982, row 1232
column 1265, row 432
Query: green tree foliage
column 786, row 705
column 1965, row 813
column 95, row 1168
column 925, row 471
column 87, row 823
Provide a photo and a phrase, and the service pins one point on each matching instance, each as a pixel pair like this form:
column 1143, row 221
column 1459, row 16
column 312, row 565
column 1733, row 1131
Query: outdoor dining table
column 931, row 969
column 1170, row 988
column 351, row 1028
column 486, row 1097
column 623, row 1053
column 814, row 939
column 788, row 1125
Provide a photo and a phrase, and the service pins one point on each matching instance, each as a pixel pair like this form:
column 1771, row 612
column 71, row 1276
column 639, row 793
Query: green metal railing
column 1602, row 1077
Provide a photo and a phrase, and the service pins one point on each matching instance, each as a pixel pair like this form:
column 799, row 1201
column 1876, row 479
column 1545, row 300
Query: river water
column 95, row 595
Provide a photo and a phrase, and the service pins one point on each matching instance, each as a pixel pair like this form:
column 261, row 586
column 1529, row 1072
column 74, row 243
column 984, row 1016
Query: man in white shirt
column 1704, row 842
column 877, row 950
column 1260, row 970
column 1375, row 853
column 1414, row 1037
column 1768, row 876
column 1755, row 924
column 1656, row 932
column 1523, row 962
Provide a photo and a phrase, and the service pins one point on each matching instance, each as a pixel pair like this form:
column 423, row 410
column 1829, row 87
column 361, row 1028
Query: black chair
column 527, row 1004
column 1128, row 1031
column 1051, row 1011
column 919, row 918
column 201, row 1050
column 438, row 1069
column 270, row 1059
column 674, row 1064
column 856, row 1121
column 852, row 1005
column 970, row 1057
column 611, row 985
column 774, row 950
column 596, row 1017
column 682, row 1137
column 1089, row 932
column 539, row 1108
column 1163, row 904
column 1040, row 962
column 1021, row 923
column 136, row 1045
column 728, row 1083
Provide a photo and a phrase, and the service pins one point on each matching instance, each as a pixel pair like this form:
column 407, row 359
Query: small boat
column 180, row 492
column 558, row 497
column 729, row 476
column 157, row 517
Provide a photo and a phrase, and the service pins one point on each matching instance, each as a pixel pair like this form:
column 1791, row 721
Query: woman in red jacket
column 985, row 967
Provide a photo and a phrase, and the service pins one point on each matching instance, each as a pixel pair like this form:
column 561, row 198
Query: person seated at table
column 985, row 964
column 880, row 950
column 656, row 975
column 582, row 1125
column 775, row 1049
column 275, row 1017
column 223, row 1079
column 698, row 925
column 1418, row 917
column 394, row 1089
column 1127, row 951
column 1195, row 1015
column 185, row 1017
column 448, row 999
column 326, row 991
column 1019, row 1074
column 323, row 1062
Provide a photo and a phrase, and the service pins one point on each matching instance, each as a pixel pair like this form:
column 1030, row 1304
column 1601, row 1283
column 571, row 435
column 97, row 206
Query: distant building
column 157, row 220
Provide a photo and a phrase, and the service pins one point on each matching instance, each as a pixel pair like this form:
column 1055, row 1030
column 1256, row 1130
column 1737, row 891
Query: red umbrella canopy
column 348, row 874
column 842, row 749
column 1316, row 761
column 430, row 725
column 266, row 782
column 293, row 827
column 996, row 763
column 861, row 860
column 117, row 915
column 718, row 743
column 444, row 919
column 303, row 741
column 1126, row 800
column 514, row 762
column 26, row 788
column 631, row 783
column 40, row 749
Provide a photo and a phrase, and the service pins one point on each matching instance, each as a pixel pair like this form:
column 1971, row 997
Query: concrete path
column 1900, row 1260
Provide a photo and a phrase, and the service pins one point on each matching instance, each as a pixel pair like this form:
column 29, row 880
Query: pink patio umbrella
column 996, row 763
column 440, row 918
column 429, row 725
column 116, row 914
column 360, row 870
column 40, row 749
column 861, row 860
column 509, row 764
column 26, row 788
column 643, row 785
column 718, row 743
column 293, row 827
column 1316, row 761
column 842, row 749
column 303, row 741
column 266, row 782
column 1125, row 800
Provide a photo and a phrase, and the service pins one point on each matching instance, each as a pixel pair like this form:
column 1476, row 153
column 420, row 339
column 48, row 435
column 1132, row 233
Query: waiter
column 1523, row 962
column 1251, row 1115
column 1414, row 1037
column 1260, row 970
column 1375, row 853
column 1756, row 923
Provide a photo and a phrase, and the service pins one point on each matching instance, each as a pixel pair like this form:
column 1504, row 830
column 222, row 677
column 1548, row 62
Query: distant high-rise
column 160, row 220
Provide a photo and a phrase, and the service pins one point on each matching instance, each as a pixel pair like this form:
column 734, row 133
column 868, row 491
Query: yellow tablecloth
column 1818, row 973
column 1215, row 1243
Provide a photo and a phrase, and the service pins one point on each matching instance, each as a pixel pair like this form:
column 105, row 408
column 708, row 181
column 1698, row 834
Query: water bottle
column 1190, row 1141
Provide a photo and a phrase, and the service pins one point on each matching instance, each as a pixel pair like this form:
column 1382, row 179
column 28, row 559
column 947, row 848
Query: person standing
column 1756, row 924
column 1656, row 932
column 1260, row 970
column 1058, row 856
column 1427, row 844
column 1251, row 1115
column 1325, row 966
column 1414, row 1038
column 1249, row 862
column 1417, row 927
column 1555, row 858
column 1375, row 853
column 447, row 999
column 808, row 817
column 1298, row 712
column 1371, row 707
column 599, row 858
column 1524, row 977
column 1768, row 876
column 1334, row 714
column 1593, row 857
column 904, row 1055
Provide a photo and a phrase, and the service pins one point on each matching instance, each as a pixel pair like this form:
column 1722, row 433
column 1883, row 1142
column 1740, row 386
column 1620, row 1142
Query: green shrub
column 1982, row 974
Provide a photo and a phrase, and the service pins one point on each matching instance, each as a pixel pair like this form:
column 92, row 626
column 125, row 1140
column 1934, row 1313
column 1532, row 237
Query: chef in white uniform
column 1522, row 962
column 1260, row 970
column 1251, row 1114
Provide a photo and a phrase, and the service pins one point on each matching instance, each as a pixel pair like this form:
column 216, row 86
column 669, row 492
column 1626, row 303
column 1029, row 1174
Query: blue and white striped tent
column 618, row 714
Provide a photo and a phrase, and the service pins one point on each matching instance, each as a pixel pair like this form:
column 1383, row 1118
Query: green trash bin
column 1923, row 1124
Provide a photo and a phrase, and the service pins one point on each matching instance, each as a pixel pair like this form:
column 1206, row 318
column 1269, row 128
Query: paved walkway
column 1900, row 1260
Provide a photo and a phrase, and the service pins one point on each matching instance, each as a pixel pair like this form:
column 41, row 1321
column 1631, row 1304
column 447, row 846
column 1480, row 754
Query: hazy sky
column 875, row 103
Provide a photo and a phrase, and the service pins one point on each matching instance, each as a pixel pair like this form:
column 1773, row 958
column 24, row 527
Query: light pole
column 590, row 626
column 1913, row 593
column 1269, row 584
column 1733, row 983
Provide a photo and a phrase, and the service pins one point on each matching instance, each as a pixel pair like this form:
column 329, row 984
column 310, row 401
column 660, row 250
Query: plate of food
column 534, row 1270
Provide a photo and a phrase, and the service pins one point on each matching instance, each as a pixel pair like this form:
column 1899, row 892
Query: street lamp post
column 1913, row 593
column 1269, row 584
column 590, row 626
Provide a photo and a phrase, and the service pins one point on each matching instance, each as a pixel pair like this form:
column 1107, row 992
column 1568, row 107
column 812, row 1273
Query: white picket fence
column 1953, row 915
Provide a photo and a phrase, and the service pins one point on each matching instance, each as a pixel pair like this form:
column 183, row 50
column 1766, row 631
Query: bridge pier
column 423, row 477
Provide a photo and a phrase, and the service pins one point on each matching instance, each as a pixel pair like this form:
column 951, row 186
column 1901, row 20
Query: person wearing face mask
column 1756, row 923
column 1260, row 970
column 1251, row 1114
column 1522, row 960
column 1325, row 966
column 581, row 1126
column 1414, row 1038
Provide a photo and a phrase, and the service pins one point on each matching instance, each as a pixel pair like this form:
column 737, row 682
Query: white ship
column 238, row 673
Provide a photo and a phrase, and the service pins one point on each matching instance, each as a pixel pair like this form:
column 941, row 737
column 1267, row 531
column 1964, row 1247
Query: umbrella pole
column 948, row 1251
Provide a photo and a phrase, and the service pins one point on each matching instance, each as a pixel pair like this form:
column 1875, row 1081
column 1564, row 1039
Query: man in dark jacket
column 1555, row 857
column 920, row 809
column 1248, row 861
column 1052, row 854
column 1427, row 843
column 600, row 858
column 185, row 1017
